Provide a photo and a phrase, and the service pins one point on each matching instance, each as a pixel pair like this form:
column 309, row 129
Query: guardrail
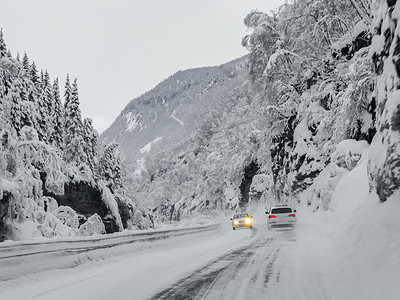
column 21, row 258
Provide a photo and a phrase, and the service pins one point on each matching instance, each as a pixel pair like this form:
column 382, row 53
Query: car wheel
column 233, row 228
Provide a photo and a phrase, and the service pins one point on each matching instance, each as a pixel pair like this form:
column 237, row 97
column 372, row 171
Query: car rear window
column 281, row 210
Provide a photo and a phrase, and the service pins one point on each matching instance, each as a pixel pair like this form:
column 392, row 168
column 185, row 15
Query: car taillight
column 292, row 215
column 271, row 216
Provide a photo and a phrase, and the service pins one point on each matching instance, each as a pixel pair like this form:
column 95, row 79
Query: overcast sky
column 119, row 49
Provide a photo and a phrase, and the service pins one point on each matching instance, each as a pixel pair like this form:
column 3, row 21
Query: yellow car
column 242, row 221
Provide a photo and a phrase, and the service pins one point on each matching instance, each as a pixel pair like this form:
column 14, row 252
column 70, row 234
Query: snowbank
column 359, row 239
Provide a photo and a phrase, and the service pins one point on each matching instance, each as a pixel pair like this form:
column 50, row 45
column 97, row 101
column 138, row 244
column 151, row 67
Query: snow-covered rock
column 93, row 225
column 385, row 150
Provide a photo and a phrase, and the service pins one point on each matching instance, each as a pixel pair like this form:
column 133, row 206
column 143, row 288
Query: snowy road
column 248, row 272
column 221, row 264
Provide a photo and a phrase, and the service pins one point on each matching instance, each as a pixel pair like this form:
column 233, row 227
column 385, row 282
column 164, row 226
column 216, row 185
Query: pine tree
column 33, row 72
column 90, row 136
column 2, row 84
column 109, row 167
column 28, row 109
column 67, row 92
column 57, row 136
column 27, row 95
column 14, row 99
column 49, row 95
column 25, row 63
column 35, row 86
column 45, row 108
column 3, row 47
column 74, row 142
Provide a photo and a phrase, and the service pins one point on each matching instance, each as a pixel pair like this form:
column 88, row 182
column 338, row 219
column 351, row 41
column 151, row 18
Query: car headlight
column 236, row 222
column 248, row 220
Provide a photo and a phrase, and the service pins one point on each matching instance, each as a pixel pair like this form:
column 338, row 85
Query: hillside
column 303, row 119
column 167, row 114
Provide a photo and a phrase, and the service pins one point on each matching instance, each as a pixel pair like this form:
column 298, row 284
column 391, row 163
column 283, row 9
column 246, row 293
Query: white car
column 242, row 221
column 281, row 216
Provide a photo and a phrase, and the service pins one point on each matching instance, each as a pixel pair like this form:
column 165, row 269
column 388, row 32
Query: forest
column 55, row 178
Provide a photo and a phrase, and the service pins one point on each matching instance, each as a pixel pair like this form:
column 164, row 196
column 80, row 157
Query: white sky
column 119, row 49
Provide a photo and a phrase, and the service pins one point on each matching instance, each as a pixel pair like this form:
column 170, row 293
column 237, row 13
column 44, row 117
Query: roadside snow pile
column 41, row 217
column 344, row 158
column 93, row 225
column 348, row 153
column 109, row 199
column 201, row 220
column 360, row 235
column 67, row 216
column 60, row 221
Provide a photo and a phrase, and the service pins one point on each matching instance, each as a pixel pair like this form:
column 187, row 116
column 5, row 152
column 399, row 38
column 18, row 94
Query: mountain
column 167, row 114
column 317, row 104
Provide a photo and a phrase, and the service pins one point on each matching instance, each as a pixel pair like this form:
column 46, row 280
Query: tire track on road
column 229, row 275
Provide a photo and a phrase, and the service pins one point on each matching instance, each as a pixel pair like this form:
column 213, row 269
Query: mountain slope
column 171, row 111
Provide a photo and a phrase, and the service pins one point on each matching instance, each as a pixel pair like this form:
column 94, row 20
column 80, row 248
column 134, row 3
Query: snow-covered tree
column 56, row 137
column 73, row 138
column 3, row 47
column 109, row 166
column 67, row 92
column 363, row 8
column 25, row 63
column 14, row 98
column 385, row 52
column 45, row 107
column 90, row 136
column 32, row 163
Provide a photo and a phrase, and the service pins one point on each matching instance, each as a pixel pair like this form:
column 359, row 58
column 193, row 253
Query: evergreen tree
column 14, row 99
column 57, row 136
column 33, row 72
column 3, row 47
column 25, row 63
column 47, row 87
column 74, row 142
column 2, row 85
column 28, row 109
column 35, row 86
column 27, row 95
column 28, row 114
column 67, row 92
column 45, row 108
column 90, row 136
column 109, row 167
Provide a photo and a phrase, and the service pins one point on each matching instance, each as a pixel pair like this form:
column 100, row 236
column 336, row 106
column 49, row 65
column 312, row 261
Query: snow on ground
column 356, row 243
column 176, row 119
column 350, row 252
column 132, row 121
column 147, row 148
column 137, row 274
